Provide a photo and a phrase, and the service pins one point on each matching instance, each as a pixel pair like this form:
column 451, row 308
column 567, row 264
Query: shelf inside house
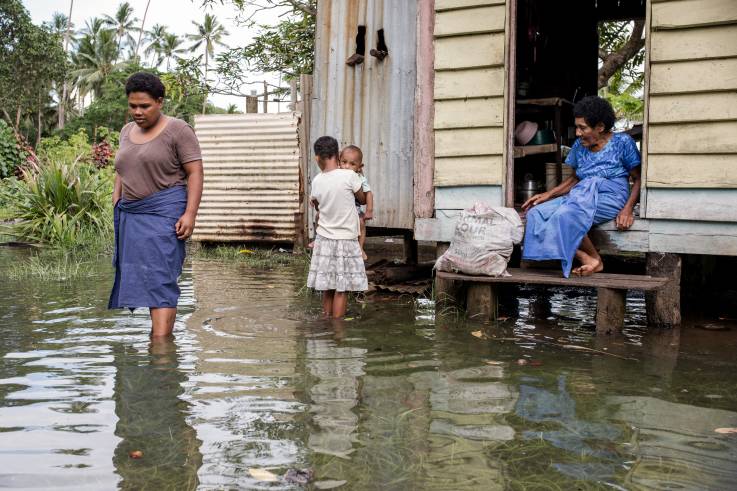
column 524, row 151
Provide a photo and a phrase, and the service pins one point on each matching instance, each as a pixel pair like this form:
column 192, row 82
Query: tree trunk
column 204, row 100
column 39, row 123
column 140, row 33
column 614, row 61
column 17, row 119
column 64, row 89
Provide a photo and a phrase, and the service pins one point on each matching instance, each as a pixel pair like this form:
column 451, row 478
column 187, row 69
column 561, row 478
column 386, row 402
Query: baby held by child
column 351, row 157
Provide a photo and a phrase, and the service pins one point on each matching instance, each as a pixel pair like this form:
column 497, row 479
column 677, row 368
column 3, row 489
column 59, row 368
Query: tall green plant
column 62, row 204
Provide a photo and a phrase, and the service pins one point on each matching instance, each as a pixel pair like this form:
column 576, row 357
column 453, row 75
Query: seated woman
column 558, row 220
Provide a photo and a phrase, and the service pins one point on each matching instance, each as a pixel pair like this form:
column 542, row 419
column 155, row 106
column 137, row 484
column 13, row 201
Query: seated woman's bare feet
column 589, row 265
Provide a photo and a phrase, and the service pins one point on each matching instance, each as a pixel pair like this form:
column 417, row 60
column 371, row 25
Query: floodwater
column 255, row 384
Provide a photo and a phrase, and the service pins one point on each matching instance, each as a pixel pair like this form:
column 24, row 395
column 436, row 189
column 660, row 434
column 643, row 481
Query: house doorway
column 555, row 60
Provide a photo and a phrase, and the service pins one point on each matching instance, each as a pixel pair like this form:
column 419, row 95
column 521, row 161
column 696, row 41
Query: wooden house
column 438, row 114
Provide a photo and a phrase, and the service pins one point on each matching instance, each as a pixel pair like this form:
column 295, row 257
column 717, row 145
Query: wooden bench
column 481, row 297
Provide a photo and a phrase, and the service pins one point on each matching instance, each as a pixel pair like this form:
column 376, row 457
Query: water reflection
column 393, row 399
column 152, row 420
column 244, row 396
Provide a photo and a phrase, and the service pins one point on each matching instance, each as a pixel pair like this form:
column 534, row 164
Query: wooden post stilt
column 610, row 306
column 410, row 248
column 446, row 292
column 481, row 301
column 664, row 304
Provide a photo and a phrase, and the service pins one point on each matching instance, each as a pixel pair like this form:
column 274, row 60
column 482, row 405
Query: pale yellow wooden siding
column 692, row 107
column 470, row 106
column 462, row 84
column 454, row 171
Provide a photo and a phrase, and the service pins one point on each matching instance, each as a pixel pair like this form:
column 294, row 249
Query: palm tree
column 155, row 40
column 209, row 33
column 170, row 49
column 92, row 27
column 124, row 24
column 232, row 109
column 58, row 24
column 95, row 59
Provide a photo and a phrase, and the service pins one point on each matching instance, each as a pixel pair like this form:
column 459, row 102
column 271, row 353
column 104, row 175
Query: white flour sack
column 482, row 242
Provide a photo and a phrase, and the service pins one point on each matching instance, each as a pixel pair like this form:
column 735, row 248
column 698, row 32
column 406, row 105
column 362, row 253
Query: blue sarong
column 556, row 228
column 148, row 255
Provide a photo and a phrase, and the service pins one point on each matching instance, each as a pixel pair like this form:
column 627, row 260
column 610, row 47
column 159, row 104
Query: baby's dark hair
column 326, row 147
column 594, row 110
column 355, row 149
column 145, row 82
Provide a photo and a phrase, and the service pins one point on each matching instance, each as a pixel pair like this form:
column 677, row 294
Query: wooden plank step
column 548, row 277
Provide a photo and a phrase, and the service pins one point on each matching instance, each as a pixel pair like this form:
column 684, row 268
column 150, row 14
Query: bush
column 12, row 154
column 75, row 148
column 64, row 204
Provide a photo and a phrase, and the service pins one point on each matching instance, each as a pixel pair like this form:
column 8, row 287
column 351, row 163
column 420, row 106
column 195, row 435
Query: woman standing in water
column 158, row 186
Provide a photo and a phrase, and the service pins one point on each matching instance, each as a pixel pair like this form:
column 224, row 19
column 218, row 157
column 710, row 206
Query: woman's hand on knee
column 625, row 219
column 536, row 200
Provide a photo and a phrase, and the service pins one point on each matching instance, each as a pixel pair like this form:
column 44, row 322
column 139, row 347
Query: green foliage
column 626, row 106
column 287, row 47
column 33, row 61
column 12, row 154
column 76, row 147
column 62, row 203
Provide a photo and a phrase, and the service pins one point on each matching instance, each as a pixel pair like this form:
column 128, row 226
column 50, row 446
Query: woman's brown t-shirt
column 149, row 167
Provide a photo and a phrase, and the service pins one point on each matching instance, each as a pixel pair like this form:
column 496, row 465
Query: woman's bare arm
column 626, row 216
column 195, row 178
column 561, row 189
column 117, row 189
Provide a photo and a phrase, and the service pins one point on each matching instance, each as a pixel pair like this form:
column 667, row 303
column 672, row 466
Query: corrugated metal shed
column 252, row 177
column 372, row 104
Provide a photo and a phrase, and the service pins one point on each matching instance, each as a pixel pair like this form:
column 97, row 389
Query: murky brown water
column 392, row 399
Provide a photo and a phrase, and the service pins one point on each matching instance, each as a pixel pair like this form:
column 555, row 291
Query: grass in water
column 46, row 268
column 252, row 256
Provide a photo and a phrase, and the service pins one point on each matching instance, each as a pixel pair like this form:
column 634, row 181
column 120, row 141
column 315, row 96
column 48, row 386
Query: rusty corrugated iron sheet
column 372, row 104
column 252, row 180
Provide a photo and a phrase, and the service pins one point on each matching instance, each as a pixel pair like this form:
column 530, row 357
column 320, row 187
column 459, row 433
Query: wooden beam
column 424, row 140
column 474, row 51
column 664, row 304
column 691, row 108
column 469, row 141
column 693, row 76
column 475, row 82
column 481, row 301
column 469, row 113
column 694, row 44
column 692, row 171
column 693, row 138
column 692, row 13
column 610, row 310
column 483, row 19
column 466, row 171
column 715, row 205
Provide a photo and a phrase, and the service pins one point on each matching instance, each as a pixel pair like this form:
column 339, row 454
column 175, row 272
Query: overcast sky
column 177, row 15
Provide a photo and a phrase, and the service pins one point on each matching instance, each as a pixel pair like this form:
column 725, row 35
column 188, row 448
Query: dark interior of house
column 556, row 64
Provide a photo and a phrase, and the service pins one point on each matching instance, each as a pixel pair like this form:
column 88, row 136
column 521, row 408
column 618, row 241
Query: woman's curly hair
column 145, row 82
column 594, row 110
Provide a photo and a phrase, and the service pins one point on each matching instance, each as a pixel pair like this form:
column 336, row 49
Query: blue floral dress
column 555, row 229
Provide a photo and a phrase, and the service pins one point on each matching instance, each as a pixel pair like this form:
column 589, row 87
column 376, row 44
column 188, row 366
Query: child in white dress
column 337, row 264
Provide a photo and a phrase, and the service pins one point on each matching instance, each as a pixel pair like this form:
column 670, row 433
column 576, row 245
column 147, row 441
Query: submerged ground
column 392, row 398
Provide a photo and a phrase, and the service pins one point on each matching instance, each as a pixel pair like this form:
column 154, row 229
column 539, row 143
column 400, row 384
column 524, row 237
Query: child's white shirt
column 334, row 192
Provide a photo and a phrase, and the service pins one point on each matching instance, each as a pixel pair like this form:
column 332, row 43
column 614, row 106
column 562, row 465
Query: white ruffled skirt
column 337, row 265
